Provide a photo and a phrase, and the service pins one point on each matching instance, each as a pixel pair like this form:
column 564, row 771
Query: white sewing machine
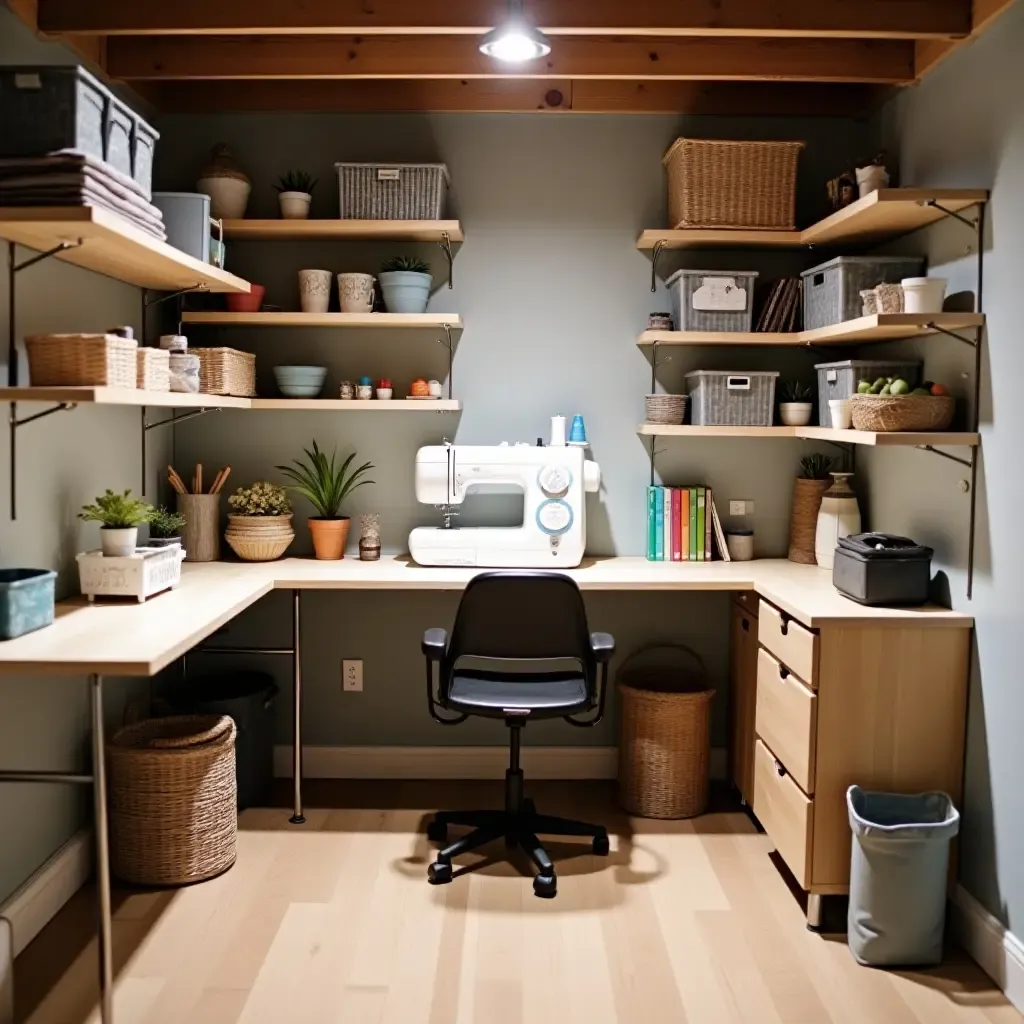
column 553, row 480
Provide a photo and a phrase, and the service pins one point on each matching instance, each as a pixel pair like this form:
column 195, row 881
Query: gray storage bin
column 899, row 874
column 120, row 130
column 724, row 398
column 186, row 221
column 832, row 290
column 392, row 191
column 712, row 300
column 839, row 380
column 143, row 153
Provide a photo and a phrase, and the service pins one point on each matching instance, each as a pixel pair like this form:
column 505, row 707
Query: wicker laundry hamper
column 664, row 732
column 173, row 799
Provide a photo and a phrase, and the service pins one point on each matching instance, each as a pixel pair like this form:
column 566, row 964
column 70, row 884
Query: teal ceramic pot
column 26, row 601
column 405, row 291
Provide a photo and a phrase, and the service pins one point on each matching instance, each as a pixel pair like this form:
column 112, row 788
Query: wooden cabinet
column 786, row 813
column 786, row 718
column 743, row 694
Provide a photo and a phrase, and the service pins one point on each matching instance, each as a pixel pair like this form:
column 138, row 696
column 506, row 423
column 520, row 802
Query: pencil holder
column 201, row 534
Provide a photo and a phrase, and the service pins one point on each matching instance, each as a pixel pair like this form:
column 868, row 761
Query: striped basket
column 81, row 360
column 664, row 409
column 153, row 369
column 226, row 371
column 392, row 191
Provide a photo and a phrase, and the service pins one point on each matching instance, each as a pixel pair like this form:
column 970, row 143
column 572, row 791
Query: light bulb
column 515, row 42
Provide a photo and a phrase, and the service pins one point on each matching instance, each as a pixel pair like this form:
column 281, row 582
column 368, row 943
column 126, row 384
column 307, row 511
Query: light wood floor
column 686, row 922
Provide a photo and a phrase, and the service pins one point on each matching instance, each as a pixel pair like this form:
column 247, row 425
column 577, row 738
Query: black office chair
column 516, row 617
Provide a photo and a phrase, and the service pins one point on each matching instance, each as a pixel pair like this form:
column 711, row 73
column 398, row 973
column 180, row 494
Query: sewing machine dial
column 554, row 479
column 554, row 516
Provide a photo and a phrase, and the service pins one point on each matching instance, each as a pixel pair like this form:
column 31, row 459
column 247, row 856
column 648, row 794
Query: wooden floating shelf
column 113, row 246
column 354, row 230
column 375, row 320
column 393, row 405
column 880, row 327
column 887, row 213
column 865, row 437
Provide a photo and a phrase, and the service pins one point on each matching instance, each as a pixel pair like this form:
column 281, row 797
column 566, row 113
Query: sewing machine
column 552, row 480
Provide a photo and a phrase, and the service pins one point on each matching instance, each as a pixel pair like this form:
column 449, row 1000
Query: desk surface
column 130, row 639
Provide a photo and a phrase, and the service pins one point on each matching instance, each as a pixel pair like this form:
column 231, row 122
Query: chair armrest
column 603, row 646
column 435, row 643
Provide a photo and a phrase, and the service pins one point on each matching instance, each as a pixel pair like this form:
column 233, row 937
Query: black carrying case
column 882, row 569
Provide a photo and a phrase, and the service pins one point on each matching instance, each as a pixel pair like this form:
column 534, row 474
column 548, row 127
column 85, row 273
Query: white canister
column 871, row 179
column 557, row 432
column 364, row 392
column 840, row 413
column 839, row 516
column 740, row 544
column 923, row 294
column 355, row 293
column 314, row 290
column 184, row 369
column 174, row 342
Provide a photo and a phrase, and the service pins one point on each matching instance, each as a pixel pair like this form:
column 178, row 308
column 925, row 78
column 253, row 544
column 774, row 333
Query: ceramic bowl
column 300, row 381
column 246, row 302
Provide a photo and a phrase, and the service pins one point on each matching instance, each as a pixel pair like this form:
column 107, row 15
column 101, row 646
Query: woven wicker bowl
column 903, row 412
column 173, row 799
column 665, row 409
column 259, row 538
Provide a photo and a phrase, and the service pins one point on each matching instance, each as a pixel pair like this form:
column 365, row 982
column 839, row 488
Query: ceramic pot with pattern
column 355, row 293
column 314, row 290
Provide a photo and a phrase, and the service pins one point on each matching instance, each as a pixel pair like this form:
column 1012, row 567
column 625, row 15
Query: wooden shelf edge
column 395, row 405
column 341, row 229
column 862, row 437
column 122, row 397
column 369, row 321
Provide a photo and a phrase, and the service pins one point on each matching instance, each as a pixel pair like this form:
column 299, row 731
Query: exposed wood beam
column 91, row 48
column 916, row 19
column 929, row 52
column 510, row 95
column 630, row 57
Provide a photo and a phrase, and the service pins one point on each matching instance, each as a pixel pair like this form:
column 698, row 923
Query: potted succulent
column 119, row 516
column 808, row 489
column 405, row 282
column 295, row 194
column 326, row 485
column 165, row 528
column 260, row 525
column 796, row 403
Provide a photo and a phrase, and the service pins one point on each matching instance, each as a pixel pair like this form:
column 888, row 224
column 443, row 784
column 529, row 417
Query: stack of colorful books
column 683, row 525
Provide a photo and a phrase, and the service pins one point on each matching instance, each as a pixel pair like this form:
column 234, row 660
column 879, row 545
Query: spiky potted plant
column 326, row 485
column 796, row 403
column 260, row 522
column 165, row 528
column 295, row 193
column 808, row 489
column 119, row 516
column 405, row 282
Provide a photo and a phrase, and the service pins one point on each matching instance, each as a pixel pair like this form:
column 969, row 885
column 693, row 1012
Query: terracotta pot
column 329, row 536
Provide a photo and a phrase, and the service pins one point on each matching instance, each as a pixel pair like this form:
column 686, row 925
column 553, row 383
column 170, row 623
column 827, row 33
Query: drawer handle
column 780, row 769
column 783, row 673
column 746, row 625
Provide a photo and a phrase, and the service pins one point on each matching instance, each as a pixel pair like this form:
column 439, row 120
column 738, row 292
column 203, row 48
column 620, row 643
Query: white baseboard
column 31, row 907
column 998, row 951
column 459, row 762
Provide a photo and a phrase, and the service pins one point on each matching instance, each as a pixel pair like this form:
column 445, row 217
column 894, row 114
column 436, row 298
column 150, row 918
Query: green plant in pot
column 119, row 516
column 165, row 528
column 326, row 484
column 295, row 193
column 808, row 489
column 796, row 403
column 405, row 283
column 260, row 522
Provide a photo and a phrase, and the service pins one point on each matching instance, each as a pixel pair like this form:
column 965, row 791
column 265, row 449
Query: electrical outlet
column 352, row 676
column 741, row 508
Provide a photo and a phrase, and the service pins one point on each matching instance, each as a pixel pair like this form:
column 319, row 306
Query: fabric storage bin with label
column 728, row 184
column 712, row 300
column 832, row 290
column 392, row 191
column 839, row 380
column 723, row 398
column 81, row 360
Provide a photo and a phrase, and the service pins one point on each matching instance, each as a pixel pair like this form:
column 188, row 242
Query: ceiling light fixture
column 516, row 41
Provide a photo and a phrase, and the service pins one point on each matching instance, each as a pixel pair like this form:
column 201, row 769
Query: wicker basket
column 664, row 409
column 803, row 519
column 716, row 184
column 889, row 414
column 259, row 538
column 664, row 734
column 226, row 371
column 153, row 369
column 173, row 799
column 81, row 360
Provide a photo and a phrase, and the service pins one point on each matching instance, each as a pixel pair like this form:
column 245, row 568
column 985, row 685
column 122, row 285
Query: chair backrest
column 521, row 616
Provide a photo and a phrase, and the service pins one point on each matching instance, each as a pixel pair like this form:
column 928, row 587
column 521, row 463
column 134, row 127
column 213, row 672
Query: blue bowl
column 300, row 381
column 300, row 390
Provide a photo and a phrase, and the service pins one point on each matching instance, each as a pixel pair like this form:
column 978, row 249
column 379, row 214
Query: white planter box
column 141, row 575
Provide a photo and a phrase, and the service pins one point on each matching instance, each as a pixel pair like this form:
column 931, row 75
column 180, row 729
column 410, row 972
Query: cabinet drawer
column 787, row 719
column 748, row 601
column 786, row 814
column 794, row 645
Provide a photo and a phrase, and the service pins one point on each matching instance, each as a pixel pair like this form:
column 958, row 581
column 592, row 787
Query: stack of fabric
column 74, row 179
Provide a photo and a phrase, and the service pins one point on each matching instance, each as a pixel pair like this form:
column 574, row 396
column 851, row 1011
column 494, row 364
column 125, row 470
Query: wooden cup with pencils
column 201, row 534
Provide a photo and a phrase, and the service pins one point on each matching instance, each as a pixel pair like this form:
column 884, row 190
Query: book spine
column 676, row 536
column 693, row 524
column 652, row 503
column 659, row 525
column 667, row 527
column 700, row 524
column 684, row 524
column 709, row 506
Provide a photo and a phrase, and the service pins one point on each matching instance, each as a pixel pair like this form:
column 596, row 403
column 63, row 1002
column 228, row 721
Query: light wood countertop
column 130, row 639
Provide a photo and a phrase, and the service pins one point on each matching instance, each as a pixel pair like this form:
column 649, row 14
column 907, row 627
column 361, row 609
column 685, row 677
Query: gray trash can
column 898, row 876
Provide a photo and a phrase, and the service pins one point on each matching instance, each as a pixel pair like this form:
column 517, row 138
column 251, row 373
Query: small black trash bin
column 248, row 698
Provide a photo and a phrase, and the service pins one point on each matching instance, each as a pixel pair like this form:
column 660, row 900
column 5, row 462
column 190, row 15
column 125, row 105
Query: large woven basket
column 726, row 184
column 259, row 538
column 664, row 732
column 81, row 360
column 173, row 799
column 153, row 369
column 664, row 409
column 903, row 412
column 803, row 519
column 226, row 371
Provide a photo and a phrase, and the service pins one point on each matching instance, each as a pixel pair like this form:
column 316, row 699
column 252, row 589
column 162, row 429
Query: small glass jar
column 348, row 390
column 369, row 541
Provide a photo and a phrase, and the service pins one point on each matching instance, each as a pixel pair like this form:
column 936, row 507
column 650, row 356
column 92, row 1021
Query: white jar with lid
column 184, row 369
column 174, row 342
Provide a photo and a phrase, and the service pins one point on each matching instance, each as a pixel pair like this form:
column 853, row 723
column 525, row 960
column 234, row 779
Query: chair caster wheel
column 600, row 845
column 439, row 873
column 545, row 886
column 437, row 831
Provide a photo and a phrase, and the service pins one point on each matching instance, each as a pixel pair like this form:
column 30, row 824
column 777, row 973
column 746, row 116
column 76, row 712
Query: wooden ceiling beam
column 889, row 61
column 930, row 52
column 908, row 19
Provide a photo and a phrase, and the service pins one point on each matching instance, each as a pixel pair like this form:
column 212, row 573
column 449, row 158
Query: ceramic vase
column 294, row 205
column 405, row 291
column 118, row 542
column 839, row 516
column 796, row 414
column 314, row 290
column 227, row 185
column 355, row 293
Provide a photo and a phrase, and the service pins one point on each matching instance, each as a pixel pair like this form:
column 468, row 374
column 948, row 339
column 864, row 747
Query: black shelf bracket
column 659, row 247
column 973, row 342
column 974, row 224
column 655, row 451
column 655, row 363
column 944, row 455
column 15, row 425
column 445, row 245
column 448, row 343
column 170, row 421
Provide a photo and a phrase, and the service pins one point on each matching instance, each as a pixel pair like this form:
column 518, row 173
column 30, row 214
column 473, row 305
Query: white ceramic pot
column 405, row 291
column 796, row 414
column 355, row 293
column 295, row 205
column 923, row 294
column 384, row 393
column 740, row 544
column 838, row 516
column 228, row 196
column 840, row 412
column 871, row 179
column 314, row 290
column 118, row 542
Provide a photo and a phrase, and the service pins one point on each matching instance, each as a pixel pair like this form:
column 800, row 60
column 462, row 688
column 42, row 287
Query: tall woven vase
column 803, row 520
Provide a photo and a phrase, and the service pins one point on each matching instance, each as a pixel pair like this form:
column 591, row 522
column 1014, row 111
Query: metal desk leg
column 297, row 818
column 814, row 910
column 99, row 790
